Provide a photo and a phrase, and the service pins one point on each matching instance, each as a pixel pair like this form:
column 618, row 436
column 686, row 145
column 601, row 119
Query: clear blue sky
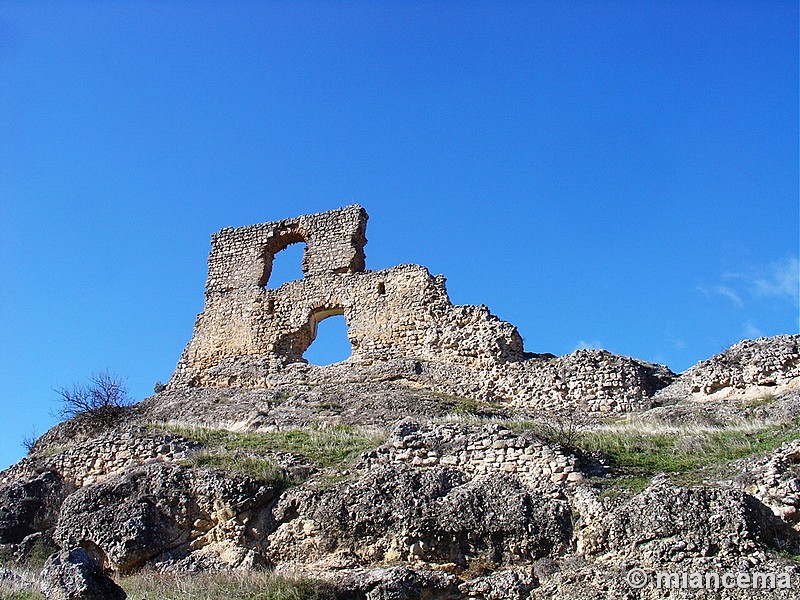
column 608, row 174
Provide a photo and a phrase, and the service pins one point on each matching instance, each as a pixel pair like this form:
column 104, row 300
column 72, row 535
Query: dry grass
column 238, row 585
column 15, row 589
column 645, row 448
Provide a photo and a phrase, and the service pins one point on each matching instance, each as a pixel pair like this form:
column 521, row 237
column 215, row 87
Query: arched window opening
column 286, row 265
column 330, row 344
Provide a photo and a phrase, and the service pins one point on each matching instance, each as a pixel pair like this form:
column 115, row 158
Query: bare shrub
column 563, row 427
column 102, row 399
column 29, row 441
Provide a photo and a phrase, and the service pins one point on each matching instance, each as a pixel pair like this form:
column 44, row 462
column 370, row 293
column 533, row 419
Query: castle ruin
column 400, row 318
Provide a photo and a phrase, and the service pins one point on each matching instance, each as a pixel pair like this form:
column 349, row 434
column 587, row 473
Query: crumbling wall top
column 334, row 243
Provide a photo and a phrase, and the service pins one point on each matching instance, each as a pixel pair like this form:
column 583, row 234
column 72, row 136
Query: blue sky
column 607, row 174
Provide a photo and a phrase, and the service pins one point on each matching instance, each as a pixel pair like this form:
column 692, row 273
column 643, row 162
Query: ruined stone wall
column 96, row 459
column 750, row 368
column 402, row 312
column 248, row 332
column 478, row 450
column 242, row 258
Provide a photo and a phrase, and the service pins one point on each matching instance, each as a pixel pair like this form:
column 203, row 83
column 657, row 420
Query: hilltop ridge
column 442, row 460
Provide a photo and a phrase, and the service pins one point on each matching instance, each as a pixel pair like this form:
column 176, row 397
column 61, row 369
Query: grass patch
column 756, row 402
column 39, row 554
column 641, row 451
column 50, row 451
column 260, row 469
column 20, row 594
column 618, row 487
column 20, row 590
column 333, row 446
column 789, row 556
column 251, row 585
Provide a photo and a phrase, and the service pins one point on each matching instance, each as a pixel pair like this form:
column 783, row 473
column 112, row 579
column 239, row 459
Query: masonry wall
column 248, row 331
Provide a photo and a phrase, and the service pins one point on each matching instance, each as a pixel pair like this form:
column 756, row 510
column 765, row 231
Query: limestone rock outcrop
column 397, row 512
column 30, row 505
column 750, row 368
column 76, row 575
column 668, row 523
column 161, row 512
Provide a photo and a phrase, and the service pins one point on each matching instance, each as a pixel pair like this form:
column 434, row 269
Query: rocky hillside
column 365, row 481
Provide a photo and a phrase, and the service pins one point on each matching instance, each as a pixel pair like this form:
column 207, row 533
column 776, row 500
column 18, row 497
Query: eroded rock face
column 163, row 512
column 397, row 512
column 396, row 583
column 749, row 368
column 75, row 575
column 30, row 506
column 665, row 523
column 500, row 585
column 775, row 480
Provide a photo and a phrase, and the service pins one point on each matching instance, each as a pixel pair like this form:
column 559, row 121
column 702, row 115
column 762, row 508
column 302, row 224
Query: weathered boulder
column 75, row 575
column 159, row 509
column 29, row 506
column 667, row 523
column 397, row 512
column 500, row 585
column 395, row 583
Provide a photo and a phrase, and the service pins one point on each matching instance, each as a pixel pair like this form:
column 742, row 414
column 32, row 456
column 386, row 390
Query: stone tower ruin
column 399, row 318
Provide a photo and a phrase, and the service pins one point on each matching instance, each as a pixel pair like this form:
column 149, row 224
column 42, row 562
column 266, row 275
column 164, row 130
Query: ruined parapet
column 242, row 258
column 247, row 330
column 248, row 334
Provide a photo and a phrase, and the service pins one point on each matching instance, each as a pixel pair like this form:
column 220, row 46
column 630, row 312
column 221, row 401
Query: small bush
column 102, row 399
column 29, row 441
column 562, row 427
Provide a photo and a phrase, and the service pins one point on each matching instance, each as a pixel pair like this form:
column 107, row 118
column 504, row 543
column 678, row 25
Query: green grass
column 788, row 555
column 260, row 469
column 333, row 446
column 621, row 486
column 20, row 590
column 252, row 585
column 20, row 594
column 642, row 451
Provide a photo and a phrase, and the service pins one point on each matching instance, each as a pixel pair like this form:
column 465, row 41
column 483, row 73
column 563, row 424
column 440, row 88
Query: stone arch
column 293, row 345
column 275, row 244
